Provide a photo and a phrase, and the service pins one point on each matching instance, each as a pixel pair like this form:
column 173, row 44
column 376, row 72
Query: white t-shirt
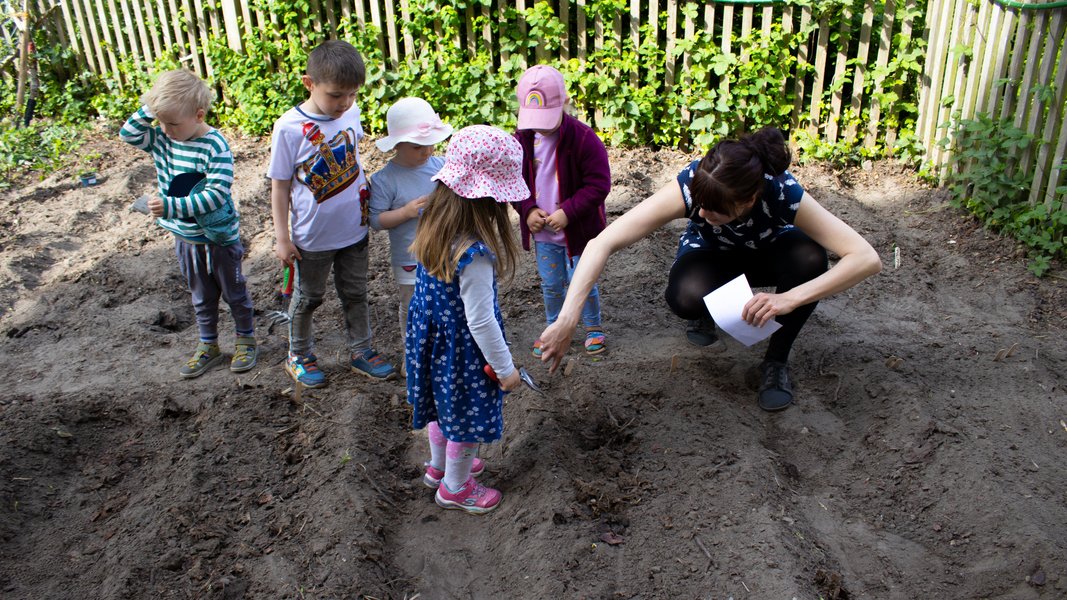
column 329, row 197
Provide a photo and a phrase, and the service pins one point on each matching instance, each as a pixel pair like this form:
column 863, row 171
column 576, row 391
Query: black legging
column 792, row 259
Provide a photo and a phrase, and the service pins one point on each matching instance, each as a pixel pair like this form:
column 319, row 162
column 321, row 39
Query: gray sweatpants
column 214, row 272
column 349, row 266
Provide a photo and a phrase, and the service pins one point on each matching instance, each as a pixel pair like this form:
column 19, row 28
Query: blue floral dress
column 446, row 381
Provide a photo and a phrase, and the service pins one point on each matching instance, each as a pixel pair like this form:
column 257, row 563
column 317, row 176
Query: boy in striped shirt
column 202, row 219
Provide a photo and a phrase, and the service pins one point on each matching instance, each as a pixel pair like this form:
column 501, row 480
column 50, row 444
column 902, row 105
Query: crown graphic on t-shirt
column 333, row 167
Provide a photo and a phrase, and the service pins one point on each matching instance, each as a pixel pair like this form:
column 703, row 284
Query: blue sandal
column 594, row 342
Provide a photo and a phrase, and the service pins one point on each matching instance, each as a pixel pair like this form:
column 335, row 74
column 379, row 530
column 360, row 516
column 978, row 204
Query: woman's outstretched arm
column 651, row 214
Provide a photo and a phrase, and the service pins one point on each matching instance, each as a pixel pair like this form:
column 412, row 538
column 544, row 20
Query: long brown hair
column 731, row 173
column 450, row 224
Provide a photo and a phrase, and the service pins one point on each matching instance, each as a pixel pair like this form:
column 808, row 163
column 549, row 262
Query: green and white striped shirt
column 208, row 154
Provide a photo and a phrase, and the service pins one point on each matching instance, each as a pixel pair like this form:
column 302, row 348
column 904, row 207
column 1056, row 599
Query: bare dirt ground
column 924, row 458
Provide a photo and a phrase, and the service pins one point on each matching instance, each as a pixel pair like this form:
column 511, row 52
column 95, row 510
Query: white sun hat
column 413, row 120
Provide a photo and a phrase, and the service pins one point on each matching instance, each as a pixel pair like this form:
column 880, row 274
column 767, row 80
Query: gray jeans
column 349, row 277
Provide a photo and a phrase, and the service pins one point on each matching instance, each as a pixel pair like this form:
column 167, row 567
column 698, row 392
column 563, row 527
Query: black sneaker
column 771, row 380
column 702, row 332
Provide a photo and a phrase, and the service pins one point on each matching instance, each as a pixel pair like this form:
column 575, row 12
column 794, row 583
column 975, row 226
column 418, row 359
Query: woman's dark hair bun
column 770, row 145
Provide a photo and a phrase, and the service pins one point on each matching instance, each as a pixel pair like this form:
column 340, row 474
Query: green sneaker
column 244, row 354
column 205, row 357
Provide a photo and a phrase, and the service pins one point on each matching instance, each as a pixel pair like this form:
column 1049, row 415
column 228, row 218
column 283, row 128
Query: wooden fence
column 1004, row 61
column 990, row 56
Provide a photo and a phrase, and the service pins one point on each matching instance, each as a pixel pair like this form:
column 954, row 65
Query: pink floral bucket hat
column 484, row 162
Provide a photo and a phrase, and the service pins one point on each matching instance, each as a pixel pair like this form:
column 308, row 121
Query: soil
column 924, row 457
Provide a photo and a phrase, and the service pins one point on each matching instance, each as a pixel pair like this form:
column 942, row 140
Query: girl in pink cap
column 566, row 168
column 455, row 329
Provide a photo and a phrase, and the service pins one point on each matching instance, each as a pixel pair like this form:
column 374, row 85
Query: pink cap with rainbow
column 541, row 96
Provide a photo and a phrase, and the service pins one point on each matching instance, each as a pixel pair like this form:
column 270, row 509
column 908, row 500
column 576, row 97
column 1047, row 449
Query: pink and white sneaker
column 473, row 497
column 433, row 475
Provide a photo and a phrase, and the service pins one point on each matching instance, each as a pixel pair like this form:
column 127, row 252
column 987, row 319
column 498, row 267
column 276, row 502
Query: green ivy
column 984, row 178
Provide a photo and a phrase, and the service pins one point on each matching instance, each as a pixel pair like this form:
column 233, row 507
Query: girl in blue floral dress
column 454, row 325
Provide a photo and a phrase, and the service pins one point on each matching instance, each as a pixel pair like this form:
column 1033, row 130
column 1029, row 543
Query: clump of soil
column 923, row 458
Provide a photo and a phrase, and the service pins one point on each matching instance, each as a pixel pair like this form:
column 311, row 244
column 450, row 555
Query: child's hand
column 511, row 382
column 557, row 220
column 286, row 251
column 535, row 220
column 155, row 206
column 414, row 208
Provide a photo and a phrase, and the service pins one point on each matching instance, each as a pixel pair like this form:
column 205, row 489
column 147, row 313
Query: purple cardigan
column 584, row 182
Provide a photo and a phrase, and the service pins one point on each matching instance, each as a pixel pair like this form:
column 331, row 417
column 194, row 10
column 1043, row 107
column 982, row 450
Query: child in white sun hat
column 399, row 190
column 455, row 330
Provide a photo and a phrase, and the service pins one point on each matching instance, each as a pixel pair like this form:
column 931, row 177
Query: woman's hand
column 555, row 341
column 763, row 307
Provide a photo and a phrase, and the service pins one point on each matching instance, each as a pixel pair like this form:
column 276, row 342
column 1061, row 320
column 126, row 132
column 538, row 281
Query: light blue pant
column 556, row 271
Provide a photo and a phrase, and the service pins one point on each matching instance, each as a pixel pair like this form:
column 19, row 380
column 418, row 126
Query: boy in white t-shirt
column 319, row 187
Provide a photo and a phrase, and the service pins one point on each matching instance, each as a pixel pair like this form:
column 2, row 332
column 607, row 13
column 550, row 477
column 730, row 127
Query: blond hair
column 449, row 225
column 180, row 93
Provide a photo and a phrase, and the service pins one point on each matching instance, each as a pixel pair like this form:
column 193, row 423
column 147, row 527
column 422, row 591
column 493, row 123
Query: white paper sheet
column 725, row 305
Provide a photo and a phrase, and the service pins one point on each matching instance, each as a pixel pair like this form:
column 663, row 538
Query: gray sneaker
column 244, row 354
column 205, row 357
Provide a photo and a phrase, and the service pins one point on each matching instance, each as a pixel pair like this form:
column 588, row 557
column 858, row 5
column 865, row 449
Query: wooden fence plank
column 859, row 73
column 140, row 24
column 501, row 8
column 77, row 43
column 154, row 25
column 115, row 29
column 233, row 27
column 105, row 39
column 635, row 33
column 961, row 72
column 766, row 23
column 802, row 60
column 580, row 31
column 376, row 19
column 520, row 6
column 1036, row 41
column 726, row 43
column 361, row 13
column 198, row 29
column 885, row 40
column 992, row 50
column 565, row 20
column 1053, row 44
column 1046, row 177
column 247, row 26
column 821, row 48
column 409, row 40
column 933, row 71
column 948, row 93
column 671, row 34
column 331, row 15
column 389, row 31
column 747, row 13
column 980, row 41
column 833, row 122
column 487, row 31
column 1015, row 69
column 898, row 89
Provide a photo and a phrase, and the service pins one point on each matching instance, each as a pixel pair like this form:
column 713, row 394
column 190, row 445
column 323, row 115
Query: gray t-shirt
column 393, row 187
